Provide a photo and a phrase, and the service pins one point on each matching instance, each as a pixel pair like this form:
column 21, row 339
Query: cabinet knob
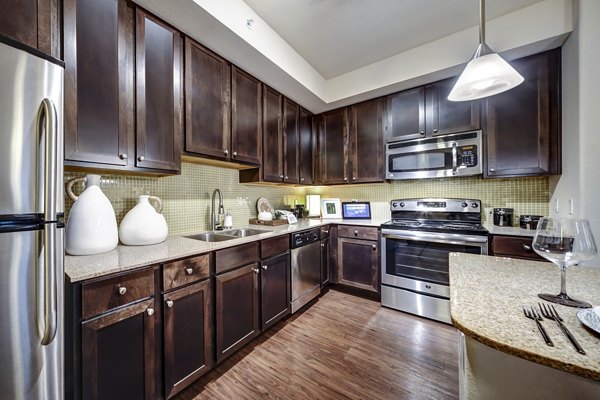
column 435, row 131
column 256, row 270
column 122, row 290
column 150, row 311
column 226, row 151
column 526, row 247
column 285, row 178
column 301, row 179
column 374, row 247
column 325, row 231
column 492, row 170
column 235, row 153
column 322, row 244
column 123, row 156
column 422, row 132
column 189, row 270
column 353, row 178
column 355, row 233
column 141, row 158
column 265, row 267
column 281, row 176
column 345, row 179
column 169, row 303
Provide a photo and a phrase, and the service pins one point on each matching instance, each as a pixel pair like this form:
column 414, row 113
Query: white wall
column 580, row 179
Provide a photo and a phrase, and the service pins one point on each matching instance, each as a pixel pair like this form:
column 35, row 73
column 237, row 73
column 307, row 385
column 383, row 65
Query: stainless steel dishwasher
column 306, row 267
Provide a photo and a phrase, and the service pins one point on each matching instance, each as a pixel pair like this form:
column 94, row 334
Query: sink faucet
column 215, row 220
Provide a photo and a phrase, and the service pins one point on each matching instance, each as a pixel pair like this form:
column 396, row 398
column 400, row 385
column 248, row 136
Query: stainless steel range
column 415, row 248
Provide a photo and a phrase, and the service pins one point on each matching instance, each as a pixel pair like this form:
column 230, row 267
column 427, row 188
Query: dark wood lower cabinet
column 188, row 339
column 274, row 289
column 237, row 309
column 358, row 264
column 118, row 359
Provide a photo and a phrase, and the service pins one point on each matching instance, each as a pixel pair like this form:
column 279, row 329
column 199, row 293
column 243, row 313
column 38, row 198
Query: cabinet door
column 358, row 264
column 159, row 100
column 118, row 360
column 206, row 102
column 305, row 148
column 187, row 335
column 523, row 124
column 237, row 319
column 290, row 141
column 324, row 262
column 333, row 146
column 98, row 121
column 274, row 289
column 272, row 162
column 35, row 23
column 366, row 142
column 246, row 117
column 405, row 115
column 445, row 116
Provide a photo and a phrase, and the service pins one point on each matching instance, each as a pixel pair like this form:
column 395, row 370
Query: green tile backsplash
column 187, row 197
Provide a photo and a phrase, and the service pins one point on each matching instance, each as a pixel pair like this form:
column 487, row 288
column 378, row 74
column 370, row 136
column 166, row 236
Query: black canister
column 529, row 221
column 503, row 216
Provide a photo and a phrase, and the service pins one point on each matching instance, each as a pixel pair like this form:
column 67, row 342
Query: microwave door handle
column 454, row 158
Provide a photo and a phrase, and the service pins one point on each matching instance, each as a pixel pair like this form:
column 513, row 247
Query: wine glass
column 565, row 242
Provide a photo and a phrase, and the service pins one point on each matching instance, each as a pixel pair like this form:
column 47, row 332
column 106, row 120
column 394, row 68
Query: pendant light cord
column 481, row 21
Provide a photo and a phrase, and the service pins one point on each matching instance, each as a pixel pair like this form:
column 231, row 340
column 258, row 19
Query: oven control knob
column 394, row 204
column 463, row 204
column 474, row 205
column 402, row 204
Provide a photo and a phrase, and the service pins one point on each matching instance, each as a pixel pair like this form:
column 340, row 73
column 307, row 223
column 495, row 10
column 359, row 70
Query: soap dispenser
column 228, row 223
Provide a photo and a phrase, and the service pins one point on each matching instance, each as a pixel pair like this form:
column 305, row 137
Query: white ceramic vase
column 143, row 224
column 92, row 225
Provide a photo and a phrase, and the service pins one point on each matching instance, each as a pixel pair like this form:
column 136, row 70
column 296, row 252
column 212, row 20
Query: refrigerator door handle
column 47, row 124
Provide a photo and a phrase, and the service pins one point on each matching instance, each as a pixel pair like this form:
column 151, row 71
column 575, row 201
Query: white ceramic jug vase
column 92, row 225
column 143, row 224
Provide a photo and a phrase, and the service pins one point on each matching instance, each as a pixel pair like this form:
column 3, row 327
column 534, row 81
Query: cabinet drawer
column 104, row 295
column 274, row 246
column 182, row 272
column 514, row 246
column 227, row 259
column 325, row 232
column 357, row 232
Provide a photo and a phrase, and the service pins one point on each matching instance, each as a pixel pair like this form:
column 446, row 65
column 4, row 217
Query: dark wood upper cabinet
column 188, row 335
column 207, row 88
column 366, row 142
column 291, row 113
column 99, row 120
column 333, row 146
column 306, row 139
column 159, row 95
column 246, row 117
column 275, row 289
column 35, row 23
column 272, row 161
column 523, row 125
column 426, row 111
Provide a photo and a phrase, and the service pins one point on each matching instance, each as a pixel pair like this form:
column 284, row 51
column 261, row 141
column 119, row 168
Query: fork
column 532, row 313
column 550, row 312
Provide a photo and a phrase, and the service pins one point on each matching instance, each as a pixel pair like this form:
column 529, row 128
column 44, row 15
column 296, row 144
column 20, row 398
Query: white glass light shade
column 485, row 76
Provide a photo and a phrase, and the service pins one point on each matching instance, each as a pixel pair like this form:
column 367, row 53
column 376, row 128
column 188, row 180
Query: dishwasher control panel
column 303, row 238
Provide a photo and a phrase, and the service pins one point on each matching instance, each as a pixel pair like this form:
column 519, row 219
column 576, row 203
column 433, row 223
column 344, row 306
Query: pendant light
column 487, row 73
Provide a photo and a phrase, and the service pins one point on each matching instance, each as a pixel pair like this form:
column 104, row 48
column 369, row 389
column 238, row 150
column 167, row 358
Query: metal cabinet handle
column 235, row 153
column 285, row 178
column 325, row 231
column 435, row 131
column 226, row 151
column 374, row 247
column 281, row 176
column 355, row 233
column 422, row 132
column 492, row 170
column 122, row 290
column 256, row 270
column 454, row 159
column 169, row 303
column 353, row 178
column 265, row 267
column 141, row 158
column 301, row 179
column 345, row 179
column 322, row 244
column 123, row 156
column 189, row 270
column 526, row 247
column 150, row 311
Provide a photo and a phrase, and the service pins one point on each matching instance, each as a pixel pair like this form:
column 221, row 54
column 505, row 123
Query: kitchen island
column 502, row 353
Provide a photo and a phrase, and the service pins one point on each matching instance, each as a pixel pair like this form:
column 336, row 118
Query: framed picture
column 331, row 208
column 356, row 210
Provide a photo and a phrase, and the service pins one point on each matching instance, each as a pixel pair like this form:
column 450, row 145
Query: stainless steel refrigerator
column 31, row 234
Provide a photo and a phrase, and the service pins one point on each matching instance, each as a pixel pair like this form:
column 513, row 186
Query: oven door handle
column 433, row 237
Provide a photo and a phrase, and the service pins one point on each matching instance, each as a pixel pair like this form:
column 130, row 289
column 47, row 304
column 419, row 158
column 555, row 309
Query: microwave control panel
column 467, row 156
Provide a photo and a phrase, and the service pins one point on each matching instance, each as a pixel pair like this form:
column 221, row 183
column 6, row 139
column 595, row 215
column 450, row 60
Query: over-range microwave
column 442, row 156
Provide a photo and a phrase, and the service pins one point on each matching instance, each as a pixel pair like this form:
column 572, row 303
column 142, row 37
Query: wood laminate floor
column 343, row 347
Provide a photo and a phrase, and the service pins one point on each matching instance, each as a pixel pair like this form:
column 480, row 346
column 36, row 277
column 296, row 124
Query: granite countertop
column 123, row 258
column 509, row 230
column 486, row 298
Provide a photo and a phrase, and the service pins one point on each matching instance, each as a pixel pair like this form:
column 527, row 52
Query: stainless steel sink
column 210, row 237
column 244, row 232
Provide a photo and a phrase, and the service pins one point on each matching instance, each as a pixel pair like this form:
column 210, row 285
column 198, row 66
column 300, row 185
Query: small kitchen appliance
column 529, row 221
column 503, row 216
column 415, row 247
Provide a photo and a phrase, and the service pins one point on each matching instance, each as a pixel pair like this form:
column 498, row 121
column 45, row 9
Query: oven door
column 418, row 261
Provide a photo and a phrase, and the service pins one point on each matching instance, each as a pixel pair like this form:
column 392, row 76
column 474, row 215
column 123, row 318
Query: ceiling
column 339, row 36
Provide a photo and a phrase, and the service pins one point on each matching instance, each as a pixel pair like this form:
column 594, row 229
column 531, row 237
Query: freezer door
column 30, row 369
column 31, row 133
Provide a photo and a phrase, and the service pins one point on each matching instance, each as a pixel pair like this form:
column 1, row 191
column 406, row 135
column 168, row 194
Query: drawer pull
column 526, row 247
column 122, row 290
column 189, row 270
column 169, row 303
column 150, row 311
column 265, row 267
